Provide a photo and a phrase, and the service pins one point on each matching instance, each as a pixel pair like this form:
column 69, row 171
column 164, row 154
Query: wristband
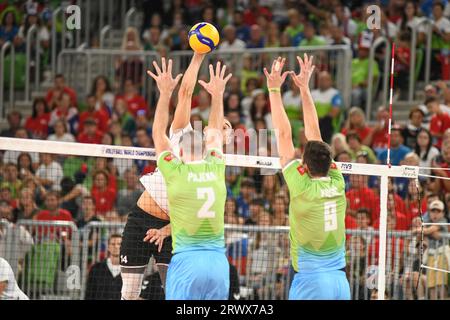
column 274, row 90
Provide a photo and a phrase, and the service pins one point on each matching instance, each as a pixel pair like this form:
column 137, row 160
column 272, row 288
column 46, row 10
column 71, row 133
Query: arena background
column 89, row 85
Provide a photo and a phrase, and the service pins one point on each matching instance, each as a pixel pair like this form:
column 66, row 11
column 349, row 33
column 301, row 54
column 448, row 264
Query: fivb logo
column 374, row 17
column 73, row 21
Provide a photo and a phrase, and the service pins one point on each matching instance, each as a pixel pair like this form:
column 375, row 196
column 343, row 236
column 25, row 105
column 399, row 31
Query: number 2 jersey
column 317, row 219
column 196, row 194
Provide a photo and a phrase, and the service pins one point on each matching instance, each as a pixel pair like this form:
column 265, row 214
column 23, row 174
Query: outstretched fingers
column 151, row 74
column 228, row 77
column 158, row 70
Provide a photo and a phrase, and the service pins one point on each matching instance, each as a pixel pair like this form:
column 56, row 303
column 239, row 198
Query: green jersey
column 317, row 218
column 196, row 195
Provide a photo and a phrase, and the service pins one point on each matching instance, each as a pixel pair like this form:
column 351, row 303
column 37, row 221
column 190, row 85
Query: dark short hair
column 430, row 100
column 114, row 235
column 414, row 110
column 258, row 202
column 365, row 211
column 317, row 156
column 439, row 4
column 353, row 135
column 59, row 75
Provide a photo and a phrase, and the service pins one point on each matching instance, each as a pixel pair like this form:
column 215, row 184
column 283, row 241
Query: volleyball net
column 64, row 207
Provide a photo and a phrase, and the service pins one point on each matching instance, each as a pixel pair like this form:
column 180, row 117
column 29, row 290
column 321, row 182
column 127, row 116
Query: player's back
column 196, row 194
column 317, row 219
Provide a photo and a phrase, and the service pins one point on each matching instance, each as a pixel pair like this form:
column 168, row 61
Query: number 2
column 205, row 211
column 330, row 216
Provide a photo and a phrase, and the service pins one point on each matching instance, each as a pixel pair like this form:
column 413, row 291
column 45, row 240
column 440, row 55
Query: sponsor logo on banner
column 264, row 163
column 347, row 167
column 410, row 172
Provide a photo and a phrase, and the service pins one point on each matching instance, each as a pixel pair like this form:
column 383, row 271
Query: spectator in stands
column 339, row 144
column 378, row 136
column 91, row 133
column 338, row 37
column 10, row 179
column 122, row 115
column 436, row 255
column 253, row 11
column 402, row 65
column 52, row 211
column 360, row 74
column 440, row 120
column 230, row 39
column 409, row 20
column 246, row 195
column 25, row 166
column 8, row 27
column 414, row 126
column 103, row 193
column 354, row 143
column 9, row 290
column 256, row 207
column 361, row 196
column 61, row 133
column 256, row 37
column 242, row 30
column 279, row 209
column 104, row 280
column 71, row 194
column 130, row 68
column 152, row 38
column 270, row 186
column 425, row 150
column 37, row 189
column 65, row 111
column 27, row 207
column 103, row 93
column 357, row 122
column 204, row 106
column 231, row 214
column 6, row 195
column 50, row 172
column 14, row 121
column 442, row 161
column 100, row 116
column 328, row 101
column 344, row 22
column 55, row 93
column 295, row 27
column 260, row 108
column 273, row 35
column 87, row 212
column 398, row 149
column 129, row 195
column 310, row 38
column 32, row 19
column 134, row 101
column 440, row 39
column 37, row 123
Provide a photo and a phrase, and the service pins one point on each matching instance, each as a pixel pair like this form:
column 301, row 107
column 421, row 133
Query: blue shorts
column 331, row 285
column 198, row 275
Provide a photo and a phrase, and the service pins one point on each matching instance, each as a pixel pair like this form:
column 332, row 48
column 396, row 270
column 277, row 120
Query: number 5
column 330, row 216
column 205, row 211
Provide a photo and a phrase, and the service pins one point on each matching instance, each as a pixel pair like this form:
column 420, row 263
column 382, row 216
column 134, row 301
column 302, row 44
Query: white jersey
column 12, row 290
column 154, row 182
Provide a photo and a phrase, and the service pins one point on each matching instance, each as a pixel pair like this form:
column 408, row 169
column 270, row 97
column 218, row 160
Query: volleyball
column 203, row 37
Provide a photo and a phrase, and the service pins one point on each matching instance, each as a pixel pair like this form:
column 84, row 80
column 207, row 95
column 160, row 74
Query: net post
column 382, row 235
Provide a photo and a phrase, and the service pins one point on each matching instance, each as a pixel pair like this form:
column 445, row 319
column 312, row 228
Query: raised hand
column 217, row 82
column 301, row 80
column 275, row 79
column 163, row 77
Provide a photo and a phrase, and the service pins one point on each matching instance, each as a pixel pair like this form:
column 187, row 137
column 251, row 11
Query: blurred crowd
column 116, row 112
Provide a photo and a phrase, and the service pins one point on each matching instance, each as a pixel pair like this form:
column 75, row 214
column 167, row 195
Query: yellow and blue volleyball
column 203, row 37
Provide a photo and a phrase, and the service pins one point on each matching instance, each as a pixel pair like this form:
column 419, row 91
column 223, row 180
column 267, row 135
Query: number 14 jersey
column 196, row 194
column 317, row 219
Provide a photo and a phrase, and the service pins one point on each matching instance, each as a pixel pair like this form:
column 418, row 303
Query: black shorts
column 134, row 252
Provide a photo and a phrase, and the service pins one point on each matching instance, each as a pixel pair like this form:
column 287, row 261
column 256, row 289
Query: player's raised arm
column 280, row 120
column 216, row 88
column 183, row 110
column 166, row 84
column 312, row 129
